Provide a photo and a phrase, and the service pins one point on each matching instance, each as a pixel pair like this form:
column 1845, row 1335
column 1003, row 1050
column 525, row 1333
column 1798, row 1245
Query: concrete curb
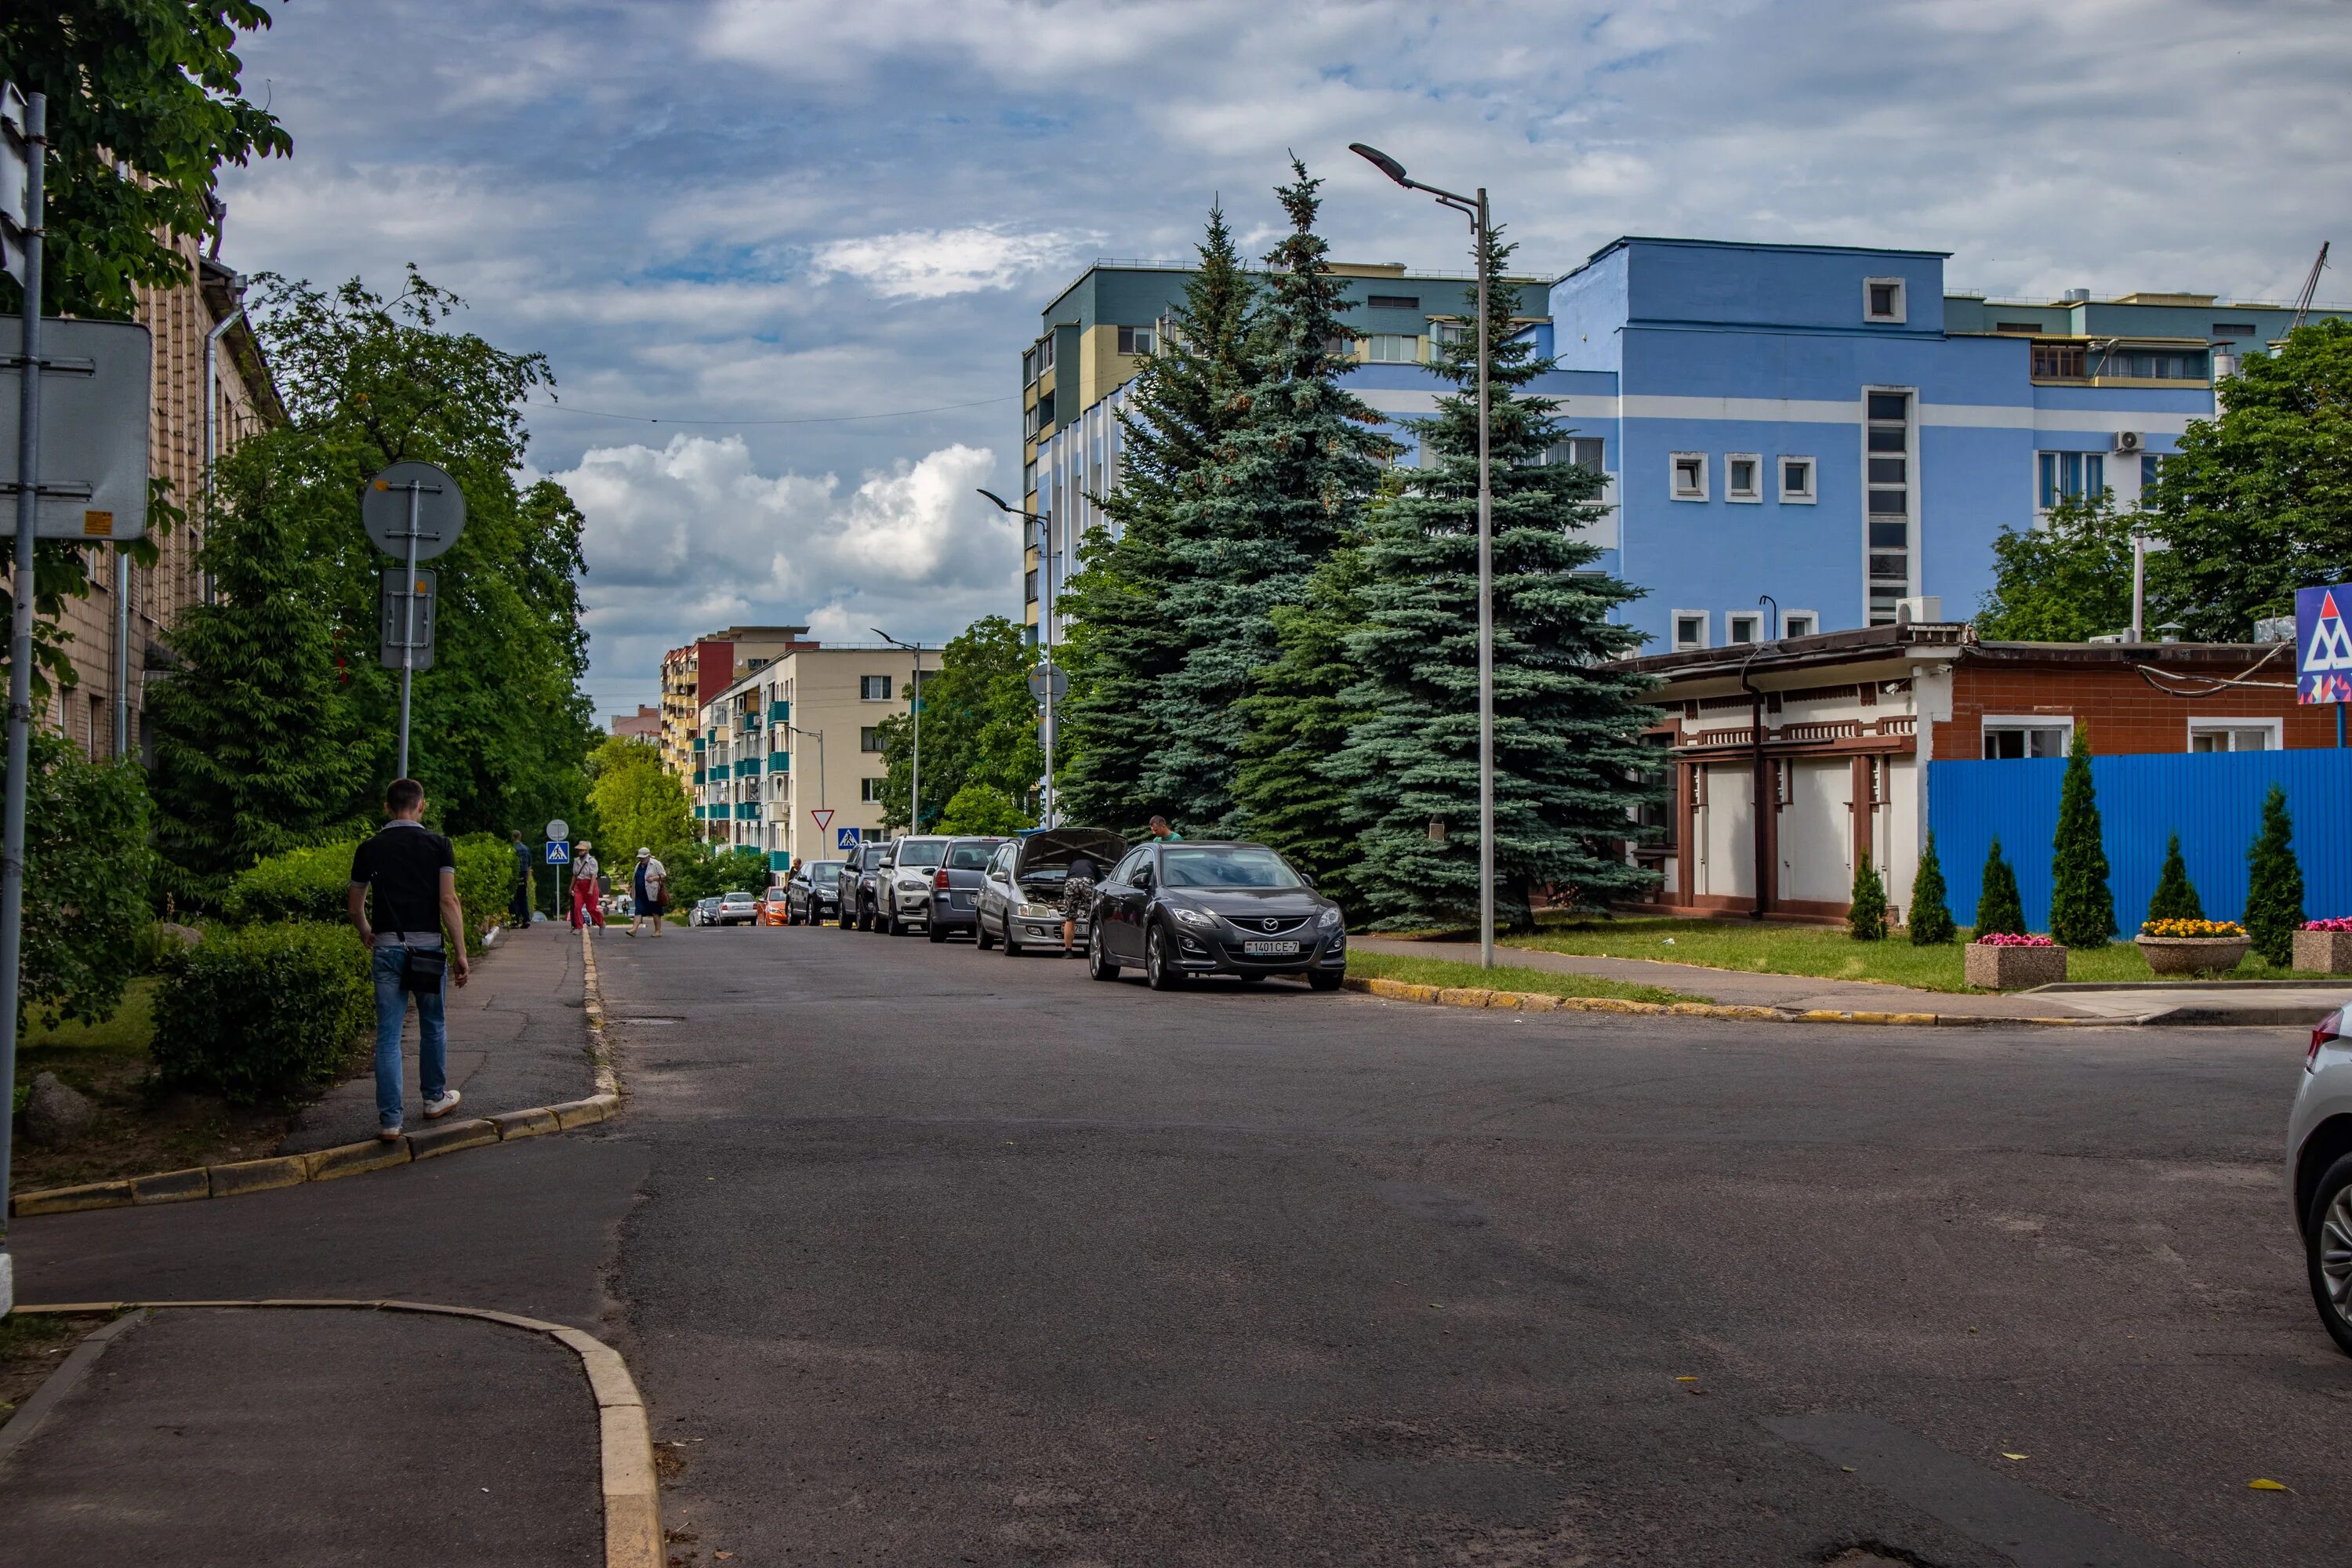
column 633, row 1533
column 353, row 1159
column 1541, row 1002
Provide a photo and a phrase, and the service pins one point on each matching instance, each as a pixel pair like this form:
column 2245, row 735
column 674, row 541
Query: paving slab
column 203, row 1437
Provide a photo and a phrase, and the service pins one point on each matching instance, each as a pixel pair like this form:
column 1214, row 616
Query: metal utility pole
column 20, row 651
column 1050, row 801
column 1474, row 208
column 914, row 706
column 427, row 524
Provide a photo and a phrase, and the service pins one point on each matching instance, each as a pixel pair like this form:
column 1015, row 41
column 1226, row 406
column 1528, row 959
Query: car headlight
column 1197, row 918
column 1332, row 920
column 912, row 884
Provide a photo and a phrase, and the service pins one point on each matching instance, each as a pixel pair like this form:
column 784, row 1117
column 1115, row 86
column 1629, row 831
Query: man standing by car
column 1163, row 834
column 414, row 875
column 1077, row 889
column 648, row 892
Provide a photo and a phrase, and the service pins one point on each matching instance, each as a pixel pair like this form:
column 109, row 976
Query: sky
column 783, row 257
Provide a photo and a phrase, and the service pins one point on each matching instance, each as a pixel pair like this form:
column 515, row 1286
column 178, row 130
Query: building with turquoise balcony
column 1794, row 438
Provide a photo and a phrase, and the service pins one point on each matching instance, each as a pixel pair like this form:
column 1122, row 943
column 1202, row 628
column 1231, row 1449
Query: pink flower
column 2005, row 938
column 2337, row 922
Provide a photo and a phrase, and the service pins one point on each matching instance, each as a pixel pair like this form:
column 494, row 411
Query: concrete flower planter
column 2192, row 954
column 2324, row 952
column 2013, row 968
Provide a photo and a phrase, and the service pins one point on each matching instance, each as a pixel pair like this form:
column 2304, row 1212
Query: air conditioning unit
column 1919, row 608
column 2130, row 441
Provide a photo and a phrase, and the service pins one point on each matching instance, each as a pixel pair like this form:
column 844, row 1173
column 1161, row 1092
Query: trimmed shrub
column 299, row 885
column 1999, row 908
column 2176, row 897
column 1866, row 919
column 486, row 879
column 2082, row 907
column 1931, row 901
column 2274, row 884
column 260, row 1010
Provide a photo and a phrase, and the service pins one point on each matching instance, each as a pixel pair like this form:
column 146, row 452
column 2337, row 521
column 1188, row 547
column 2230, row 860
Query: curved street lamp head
column 997, row 500
column 1381, row 161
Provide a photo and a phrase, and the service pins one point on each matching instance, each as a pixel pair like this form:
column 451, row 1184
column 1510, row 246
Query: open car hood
column 1060, row 846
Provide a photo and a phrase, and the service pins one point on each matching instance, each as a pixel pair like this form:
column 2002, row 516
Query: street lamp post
column 1049, row 803
column 793, row 820
column 914, row 706
column 1474, row 208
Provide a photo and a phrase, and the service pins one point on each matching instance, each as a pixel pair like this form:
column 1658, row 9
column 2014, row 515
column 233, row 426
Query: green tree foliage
column 2068, row 579
column 979, row 725
column 1865, row 919
column 86, row 872
column 500, row 727
column 703, row 871
column 1931, row 901
column 1180, row 417
column 1566, row 731
column 146, row 103
column 2176, row 897
column 2258, row 502
column 2000, row 911
column 2273, row 883
column 1279, row 495
column 2082, row 907
column 984, row 810
column 636, row 801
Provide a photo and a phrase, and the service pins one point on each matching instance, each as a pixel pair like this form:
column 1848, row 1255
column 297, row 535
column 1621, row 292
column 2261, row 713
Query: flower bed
column 2325, row 947
column 2192, row 947
column 2003, row 961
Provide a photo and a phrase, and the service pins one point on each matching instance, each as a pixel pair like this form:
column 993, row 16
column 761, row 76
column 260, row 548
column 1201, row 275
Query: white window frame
column 1412, row 347
column 1731, row 492
column 1812, row 494
column 1812, row 618
column 2274, row 731
column 887, row 684
column 869, row 791
column 1674, row 461
column 2063, row 722
column 1731, row 619
column 1902, row 300
column 1674, row 619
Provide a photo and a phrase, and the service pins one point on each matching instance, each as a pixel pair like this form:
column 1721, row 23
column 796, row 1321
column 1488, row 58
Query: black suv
column 857, row 889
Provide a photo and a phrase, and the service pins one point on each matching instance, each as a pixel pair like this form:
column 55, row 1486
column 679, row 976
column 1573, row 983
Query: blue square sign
column 845, row 838
column 2323, row 644
column 559, row 853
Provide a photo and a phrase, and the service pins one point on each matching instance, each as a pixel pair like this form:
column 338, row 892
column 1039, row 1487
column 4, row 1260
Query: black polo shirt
column 403, row 865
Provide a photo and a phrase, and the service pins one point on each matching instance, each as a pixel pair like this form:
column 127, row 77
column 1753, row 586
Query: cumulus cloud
column 930, row 264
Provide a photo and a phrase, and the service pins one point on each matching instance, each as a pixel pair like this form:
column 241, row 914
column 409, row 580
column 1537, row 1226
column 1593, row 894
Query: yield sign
column 823, row 818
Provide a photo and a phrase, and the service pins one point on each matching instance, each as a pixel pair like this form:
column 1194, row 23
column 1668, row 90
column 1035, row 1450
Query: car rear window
column 971, row 856
column 921, row 853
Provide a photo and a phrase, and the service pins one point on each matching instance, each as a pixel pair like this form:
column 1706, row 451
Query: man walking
column 413, row 876
column 648, row 892
column 585, row 906
column 521, row 910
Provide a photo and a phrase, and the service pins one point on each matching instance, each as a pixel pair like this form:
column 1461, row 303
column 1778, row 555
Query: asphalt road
column 938, row 1257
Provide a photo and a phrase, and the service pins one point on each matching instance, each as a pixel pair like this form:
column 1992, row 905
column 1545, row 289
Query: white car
column 2319, row 1172
column 736, row 909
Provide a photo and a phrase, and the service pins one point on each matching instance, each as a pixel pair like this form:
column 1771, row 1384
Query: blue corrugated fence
column 2213, row 800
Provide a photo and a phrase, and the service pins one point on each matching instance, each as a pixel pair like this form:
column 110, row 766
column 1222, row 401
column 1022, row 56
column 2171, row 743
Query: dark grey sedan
column 1179, row 909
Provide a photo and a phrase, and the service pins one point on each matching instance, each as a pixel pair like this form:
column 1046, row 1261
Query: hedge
column 262, row 1009
column 311, row 885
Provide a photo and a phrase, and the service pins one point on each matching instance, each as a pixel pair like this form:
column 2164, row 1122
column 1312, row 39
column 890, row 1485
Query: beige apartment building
column 208, row 361
column 695, row 675
column 795, row 739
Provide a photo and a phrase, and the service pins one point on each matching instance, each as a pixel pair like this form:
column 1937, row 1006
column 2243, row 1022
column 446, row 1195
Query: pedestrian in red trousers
column 585, row 905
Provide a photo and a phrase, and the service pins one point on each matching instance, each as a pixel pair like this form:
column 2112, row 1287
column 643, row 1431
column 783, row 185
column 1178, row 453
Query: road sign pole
column 408, row 626
column 20, row 654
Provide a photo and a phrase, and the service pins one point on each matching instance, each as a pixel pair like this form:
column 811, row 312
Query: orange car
column 771, row 907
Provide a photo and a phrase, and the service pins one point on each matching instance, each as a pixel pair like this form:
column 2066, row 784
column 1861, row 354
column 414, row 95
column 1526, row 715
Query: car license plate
column 1271, row 949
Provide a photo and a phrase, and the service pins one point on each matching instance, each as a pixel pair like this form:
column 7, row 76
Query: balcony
column 747, row 811
column 780, row 762
column 780, row 713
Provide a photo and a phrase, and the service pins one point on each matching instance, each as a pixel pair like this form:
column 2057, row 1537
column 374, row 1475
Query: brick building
column 1850, row 719
column 695, row 674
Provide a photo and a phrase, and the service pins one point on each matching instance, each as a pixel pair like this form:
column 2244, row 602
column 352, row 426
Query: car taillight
column 2324, row 1033
column 940, row 882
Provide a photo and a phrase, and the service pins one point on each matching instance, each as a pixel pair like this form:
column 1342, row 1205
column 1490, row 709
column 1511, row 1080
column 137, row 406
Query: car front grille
column 1278, row 925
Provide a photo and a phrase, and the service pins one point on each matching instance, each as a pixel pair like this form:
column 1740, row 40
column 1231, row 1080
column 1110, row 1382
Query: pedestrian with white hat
column 648, row 892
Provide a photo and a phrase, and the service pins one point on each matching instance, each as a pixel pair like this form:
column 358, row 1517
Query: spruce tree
column 1931, row 902
column 257, row 749
column 2176, row 897
column 1124, row 642
column 1568, row 747
column 2082, row 909
column 2274, row 884
column 2000, row 911
column 1865, row 919
column 1293, row 474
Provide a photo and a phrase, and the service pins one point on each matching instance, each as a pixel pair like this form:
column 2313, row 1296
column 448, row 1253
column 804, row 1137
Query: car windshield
column 971, row 856
column 1203, row 866
column 823, row 868
column 921, row 853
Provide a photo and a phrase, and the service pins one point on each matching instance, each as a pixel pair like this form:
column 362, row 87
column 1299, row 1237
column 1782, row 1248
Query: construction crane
column 2310, row 286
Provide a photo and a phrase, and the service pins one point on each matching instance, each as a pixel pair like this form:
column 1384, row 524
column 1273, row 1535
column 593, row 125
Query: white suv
column 2319, row 1172
column 903, row 897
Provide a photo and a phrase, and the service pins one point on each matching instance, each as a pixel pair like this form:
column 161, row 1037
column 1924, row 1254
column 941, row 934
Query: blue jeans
column 432, row 1036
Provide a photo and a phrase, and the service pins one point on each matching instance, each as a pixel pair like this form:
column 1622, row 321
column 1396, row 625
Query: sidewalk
column 2223, row 1003
column 199, row 1437
column 514, row 1042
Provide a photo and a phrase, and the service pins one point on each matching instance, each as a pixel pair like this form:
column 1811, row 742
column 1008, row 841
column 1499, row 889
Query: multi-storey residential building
column 644, row 724
column 203, row 349
column 696, row 673
column 796, row 737
column 1796, row 438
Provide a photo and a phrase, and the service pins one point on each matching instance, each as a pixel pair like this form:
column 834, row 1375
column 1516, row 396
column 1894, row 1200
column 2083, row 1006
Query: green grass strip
column 1544, row 982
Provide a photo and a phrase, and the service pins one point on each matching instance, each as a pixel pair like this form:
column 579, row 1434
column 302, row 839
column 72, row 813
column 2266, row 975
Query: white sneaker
column 437, row 1109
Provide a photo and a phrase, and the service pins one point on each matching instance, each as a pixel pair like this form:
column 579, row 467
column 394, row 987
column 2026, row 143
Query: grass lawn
column 1452, row 972
column 139, row 1127
column 1824, row 951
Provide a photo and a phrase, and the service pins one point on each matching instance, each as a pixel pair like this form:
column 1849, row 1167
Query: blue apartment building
column 1823, row 427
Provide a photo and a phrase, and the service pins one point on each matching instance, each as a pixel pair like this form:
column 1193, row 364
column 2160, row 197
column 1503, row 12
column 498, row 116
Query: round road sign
column 559, row 828
column 440, row 510
column 1038, row 677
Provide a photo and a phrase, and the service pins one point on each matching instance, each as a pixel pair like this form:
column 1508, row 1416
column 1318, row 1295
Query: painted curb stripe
column 631, row 1493
column 1542, row 1001
column 352, row 1159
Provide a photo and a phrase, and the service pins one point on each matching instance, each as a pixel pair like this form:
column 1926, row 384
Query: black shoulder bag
column 422, row 971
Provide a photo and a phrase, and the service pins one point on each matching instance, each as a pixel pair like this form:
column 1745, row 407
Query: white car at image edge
column 2319, row 1172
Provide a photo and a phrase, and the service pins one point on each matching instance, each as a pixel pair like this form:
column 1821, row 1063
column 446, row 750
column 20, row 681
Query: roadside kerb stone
column 1541, row 1002
column 352, row 1159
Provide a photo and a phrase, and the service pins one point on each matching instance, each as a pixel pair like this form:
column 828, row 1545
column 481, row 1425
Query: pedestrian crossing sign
column 559, row 853
column 845, row 838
